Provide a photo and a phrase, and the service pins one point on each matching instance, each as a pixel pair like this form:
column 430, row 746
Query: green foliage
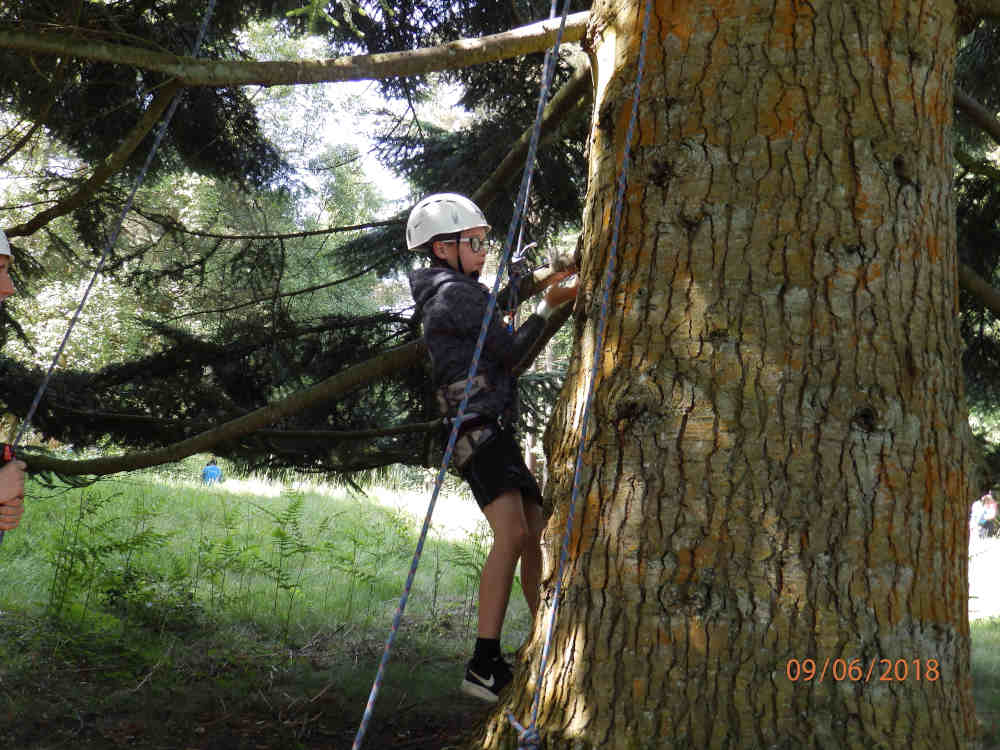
column 91, row 106
column 98, row 552
column 217, row 299
column 977, row 197
column 469, row 560
column 169, row 556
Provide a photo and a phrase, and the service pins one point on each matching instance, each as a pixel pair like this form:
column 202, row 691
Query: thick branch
column 101, row 175
column 326, row 390
column 970, row 12
column 567, row 99
column 552, row 326
column 979, row 115
column 381, row 366
column 536, row 37
column 977, row 285
column 26, row 138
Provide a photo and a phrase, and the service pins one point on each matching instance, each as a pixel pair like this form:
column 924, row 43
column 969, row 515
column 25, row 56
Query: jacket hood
column 424, row 282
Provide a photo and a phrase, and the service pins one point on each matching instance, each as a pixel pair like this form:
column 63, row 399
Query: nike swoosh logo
column 486, row 683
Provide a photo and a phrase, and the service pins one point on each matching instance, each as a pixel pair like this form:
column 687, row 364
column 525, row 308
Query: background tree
column 277, row 320
column 976, row 195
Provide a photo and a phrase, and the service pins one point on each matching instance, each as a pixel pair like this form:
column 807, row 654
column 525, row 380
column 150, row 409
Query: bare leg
column 531, row 556
column 510, row 538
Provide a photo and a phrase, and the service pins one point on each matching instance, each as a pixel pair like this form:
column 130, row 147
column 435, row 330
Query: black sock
column 487, row 650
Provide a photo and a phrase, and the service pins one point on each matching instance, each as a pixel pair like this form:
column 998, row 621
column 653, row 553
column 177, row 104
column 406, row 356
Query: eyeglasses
column 476, row 244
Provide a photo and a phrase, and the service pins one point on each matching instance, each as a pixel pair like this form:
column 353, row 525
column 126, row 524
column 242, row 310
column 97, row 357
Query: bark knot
column 865, row 419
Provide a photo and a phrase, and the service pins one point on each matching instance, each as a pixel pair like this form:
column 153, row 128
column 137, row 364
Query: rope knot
column 528, row 738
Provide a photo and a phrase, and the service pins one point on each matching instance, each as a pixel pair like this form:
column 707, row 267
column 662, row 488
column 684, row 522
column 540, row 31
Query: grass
column 155, row 611
column 986, row 677
column 289, row 560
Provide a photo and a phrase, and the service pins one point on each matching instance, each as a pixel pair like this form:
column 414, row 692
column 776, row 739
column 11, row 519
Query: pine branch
column 984, row 119
column 536, row 37
column 170, row 223
column 182, row 426
column 343, row 382
column 104, row 172
column 271, row 298
column 569, row 98
column 350, row 379
column 976, row 166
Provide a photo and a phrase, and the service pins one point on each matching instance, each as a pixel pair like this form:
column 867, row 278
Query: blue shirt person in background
column 211, row 473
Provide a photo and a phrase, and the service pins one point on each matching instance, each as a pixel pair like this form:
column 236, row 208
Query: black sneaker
column 486, row 683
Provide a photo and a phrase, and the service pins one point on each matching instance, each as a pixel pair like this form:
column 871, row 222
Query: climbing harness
column 475, row 429
column 528, row 737
column 487, row 317
column 112, row 240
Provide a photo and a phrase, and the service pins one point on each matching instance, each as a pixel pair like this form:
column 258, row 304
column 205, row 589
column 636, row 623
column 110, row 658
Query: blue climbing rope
column 112, row 241
column 515, row 282
column 453, row 437
column 529, row 737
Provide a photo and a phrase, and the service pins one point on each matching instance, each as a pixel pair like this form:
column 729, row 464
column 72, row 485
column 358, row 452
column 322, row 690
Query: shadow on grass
column 228, row 687
column 233, row 687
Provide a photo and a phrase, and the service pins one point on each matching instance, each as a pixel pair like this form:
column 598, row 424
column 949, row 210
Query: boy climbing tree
column 452, row 231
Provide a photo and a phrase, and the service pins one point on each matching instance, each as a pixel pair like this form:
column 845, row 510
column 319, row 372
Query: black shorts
column 498, row 466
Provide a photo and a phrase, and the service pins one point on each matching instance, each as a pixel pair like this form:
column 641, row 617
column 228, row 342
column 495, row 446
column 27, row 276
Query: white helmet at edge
column 441, row 213
column 4, row 245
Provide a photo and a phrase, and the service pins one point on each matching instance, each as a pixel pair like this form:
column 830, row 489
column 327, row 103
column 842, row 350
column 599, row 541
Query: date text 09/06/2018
column 856, row 670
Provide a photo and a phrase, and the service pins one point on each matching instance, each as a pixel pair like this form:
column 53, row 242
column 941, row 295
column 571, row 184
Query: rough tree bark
column 775, row 470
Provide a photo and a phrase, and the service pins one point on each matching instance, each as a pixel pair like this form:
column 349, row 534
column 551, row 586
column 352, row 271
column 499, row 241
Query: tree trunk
column 775, row 478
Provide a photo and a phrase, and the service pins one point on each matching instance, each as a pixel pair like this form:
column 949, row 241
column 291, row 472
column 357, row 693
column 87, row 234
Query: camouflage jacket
column 452, row 306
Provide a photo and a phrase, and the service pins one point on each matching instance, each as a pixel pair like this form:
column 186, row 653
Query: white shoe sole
column 478, row 691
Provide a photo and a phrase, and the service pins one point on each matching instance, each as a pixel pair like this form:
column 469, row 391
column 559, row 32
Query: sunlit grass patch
column 986, row 676
column 165, row 552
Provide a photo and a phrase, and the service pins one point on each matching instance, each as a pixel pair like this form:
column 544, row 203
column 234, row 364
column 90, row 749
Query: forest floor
column 205, row 684
column 231, row 690
column 220, row 692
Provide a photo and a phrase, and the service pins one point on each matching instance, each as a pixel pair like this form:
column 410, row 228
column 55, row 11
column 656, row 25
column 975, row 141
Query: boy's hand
column 11, row 494
column 556, row 295
column 11, row 512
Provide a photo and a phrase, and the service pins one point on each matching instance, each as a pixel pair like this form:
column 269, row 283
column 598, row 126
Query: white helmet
column 4, row 245
column 441, row 213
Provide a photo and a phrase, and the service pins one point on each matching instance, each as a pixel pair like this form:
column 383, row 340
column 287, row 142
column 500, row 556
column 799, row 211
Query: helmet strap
column 458, row 252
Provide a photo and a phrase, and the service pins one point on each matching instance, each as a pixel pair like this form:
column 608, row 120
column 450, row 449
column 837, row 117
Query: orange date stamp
column 856, row 670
